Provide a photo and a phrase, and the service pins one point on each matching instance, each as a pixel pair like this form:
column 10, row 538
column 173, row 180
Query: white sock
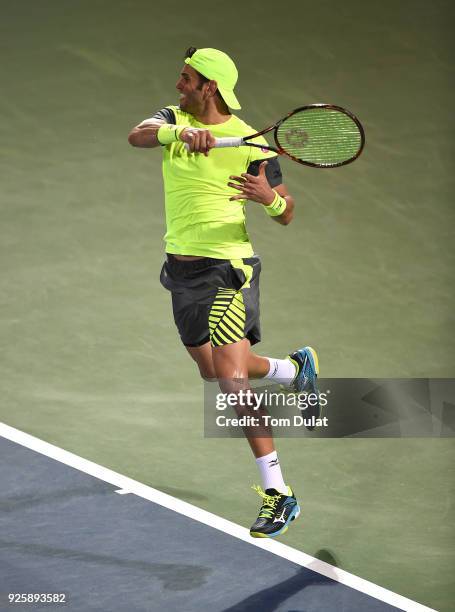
column 281, row 370
column 270, row 470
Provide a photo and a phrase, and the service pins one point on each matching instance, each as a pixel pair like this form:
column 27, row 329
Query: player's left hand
column 254, row 188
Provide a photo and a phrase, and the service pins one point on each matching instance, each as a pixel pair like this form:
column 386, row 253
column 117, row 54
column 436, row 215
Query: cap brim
column 230, row 98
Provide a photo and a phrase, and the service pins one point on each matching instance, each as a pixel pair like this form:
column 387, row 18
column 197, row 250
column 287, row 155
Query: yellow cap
column 217, row 66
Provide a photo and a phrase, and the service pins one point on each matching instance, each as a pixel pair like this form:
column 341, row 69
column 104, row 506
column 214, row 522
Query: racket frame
column 278, row 149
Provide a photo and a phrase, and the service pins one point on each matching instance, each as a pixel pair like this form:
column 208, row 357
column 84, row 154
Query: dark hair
column 202, row 79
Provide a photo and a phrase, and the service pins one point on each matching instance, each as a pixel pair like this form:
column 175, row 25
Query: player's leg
column 279, row 505
column 258, row 366
column 230, row 364
column 299, row 369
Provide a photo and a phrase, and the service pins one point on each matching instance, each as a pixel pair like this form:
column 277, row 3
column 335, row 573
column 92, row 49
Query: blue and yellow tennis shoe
column 276, row 513
column 307, row 365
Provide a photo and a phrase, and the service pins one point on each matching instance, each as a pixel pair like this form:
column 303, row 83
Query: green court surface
column 91, row 361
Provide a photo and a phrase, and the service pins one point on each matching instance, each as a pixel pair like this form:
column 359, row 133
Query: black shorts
column 214, row 299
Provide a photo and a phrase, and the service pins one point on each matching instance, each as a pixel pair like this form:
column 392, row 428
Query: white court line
column 129, row 485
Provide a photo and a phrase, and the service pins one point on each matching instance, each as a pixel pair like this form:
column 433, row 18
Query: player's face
column 191, row 92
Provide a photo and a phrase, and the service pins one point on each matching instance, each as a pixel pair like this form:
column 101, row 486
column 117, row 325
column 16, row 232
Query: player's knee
column 230, row 361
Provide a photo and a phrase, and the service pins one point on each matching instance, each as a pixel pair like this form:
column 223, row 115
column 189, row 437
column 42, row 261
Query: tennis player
column 211, row 269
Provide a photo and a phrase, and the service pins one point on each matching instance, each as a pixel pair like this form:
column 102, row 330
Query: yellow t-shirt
column 200, row 219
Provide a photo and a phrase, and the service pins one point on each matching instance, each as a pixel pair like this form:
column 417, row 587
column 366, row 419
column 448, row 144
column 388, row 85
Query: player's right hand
column 198, row 140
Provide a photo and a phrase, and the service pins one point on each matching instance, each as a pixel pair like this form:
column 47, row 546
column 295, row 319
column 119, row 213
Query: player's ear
column 213, row 86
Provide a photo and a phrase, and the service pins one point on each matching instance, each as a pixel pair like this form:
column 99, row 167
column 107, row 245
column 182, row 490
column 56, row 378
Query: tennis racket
column 317, row 135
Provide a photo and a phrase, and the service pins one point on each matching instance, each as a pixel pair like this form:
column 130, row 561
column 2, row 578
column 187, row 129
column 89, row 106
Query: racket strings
column 322, row 136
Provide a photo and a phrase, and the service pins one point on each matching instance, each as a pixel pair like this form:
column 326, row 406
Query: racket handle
column 223, row 142
column 228, row 142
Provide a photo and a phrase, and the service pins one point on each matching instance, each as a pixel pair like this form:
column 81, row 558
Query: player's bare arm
column 257, row 189
column 145, row 134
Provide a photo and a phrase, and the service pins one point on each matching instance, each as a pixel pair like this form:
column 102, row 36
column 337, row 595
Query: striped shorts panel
column 214, row 300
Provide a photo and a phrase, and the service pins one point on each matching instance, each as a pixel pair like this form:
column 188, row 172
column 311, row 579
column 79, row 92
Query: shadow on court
column 269, row 599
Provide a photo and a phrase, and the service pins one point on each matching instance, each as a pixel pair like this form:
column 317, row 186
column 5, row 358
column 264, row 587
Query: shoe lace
column 269, row 503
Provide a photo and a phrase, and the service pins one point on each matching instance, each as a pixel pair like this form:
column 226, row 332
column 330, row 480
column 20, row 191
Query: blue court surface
column 70, row 526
